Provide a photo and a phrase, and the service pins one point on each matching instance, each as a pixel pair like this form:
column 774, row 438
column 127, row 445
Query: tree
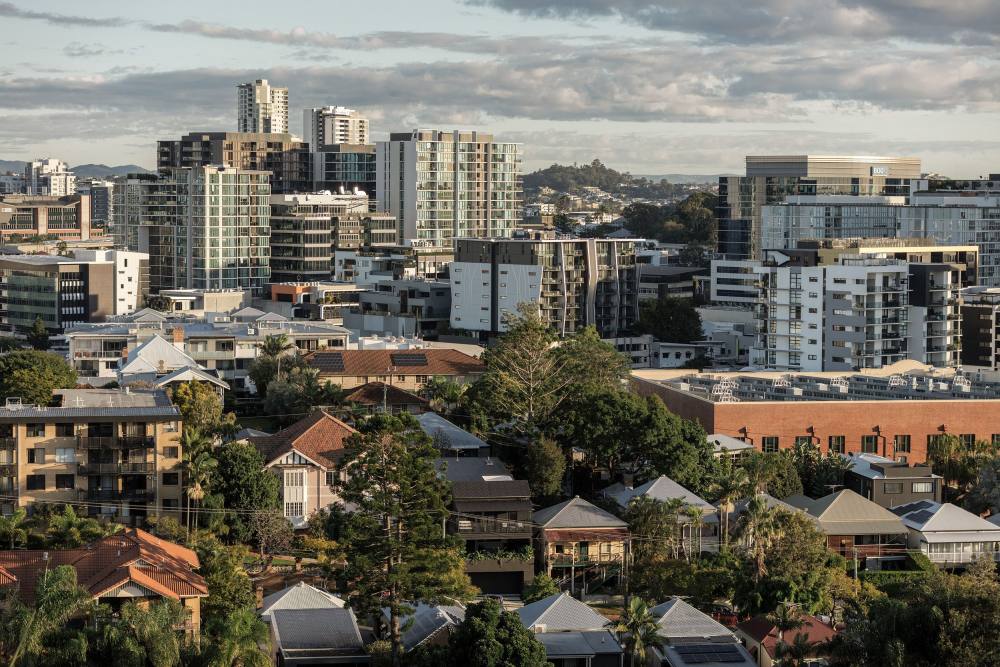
column 272, row 353
column 525, row 380
column 818, row 474
column 275, row 345
column 199, row 464
column 68, row 530
column 731, row 483
column 445, row 395
column 38, row 336
column 229, row 585
column 58, row 598
column 541, row 587
column 143, row 634
column 985, row 492
column 640, row 630
column 773, row 473
column 669, row 319
column 786, row 617
column 660, row 519
column 32, row 376
column 492, row 637
column 399, row 553
column 244, row 484
column 796, row 653
column 236, row 640
column 12, row 529
column 9, row 344
column 272, row 533
column 592, row 362
column 199, row 404
column 298, row 391
column 545, row 465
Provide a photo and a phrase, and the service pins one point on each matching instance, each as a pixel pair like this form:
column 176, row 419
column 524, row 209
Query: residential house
column 665, row 489
column 890, row 483
column 450, row 439
column 574, row 635
column 163, row 365
column 406, row 369
column 760, row 635
column 117, row 450
column 381, row 397
column 130, row 566
column 576, row 538
column 304, row 456
column 429, row 625
column 855, row 527
column 303, row 637
column 948, row 534
column 690, row 636
column 727, row 446
column 298, row 596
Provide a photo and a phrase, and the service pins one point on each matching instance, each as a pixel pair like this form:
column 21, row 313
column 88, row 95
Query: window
column 902, row 443
column 769, row 443
column 170, row 503
column 170, row 452
column 803, row 440
column 331, row 478
column 996, row 438
column 35, row 482
column 923, row 487
column 837, row 444
column 294, row 478
column 171, row 479
column 36, row 430
column 893, row 487
column 968, row 439
column 36, row 455
column 293, row 509
column 869, row 444
column 65, row 481
column 65, row 455
column 64, row 431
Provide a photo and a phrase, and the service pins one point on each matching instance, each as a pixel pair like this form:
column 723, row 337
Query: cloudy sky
column 650, row 86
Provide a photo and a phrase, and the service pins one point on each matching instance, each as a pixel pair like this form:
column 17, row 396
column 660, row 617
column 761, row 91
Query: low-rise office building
column 117, row 451
column 574, row 282
column 408, row 307
column 66, row 291
column 66, row 217
column 892, row 412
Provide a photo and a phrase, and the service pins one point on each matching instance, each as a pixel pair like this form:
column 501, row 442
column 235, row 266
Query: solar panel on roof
column 409, row 359
column 921, row 516
column 332, row 361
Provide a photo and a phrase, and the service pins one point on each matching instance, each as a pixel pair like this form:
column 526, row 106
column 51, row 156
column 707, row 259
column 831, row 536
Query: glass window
column 36, row 455
column 293, row 509
column 893, row 487
column 170, row 452
column 769, row 443
column 923, row 487
column 968, row 439
column 171, row 479
column 36, row 430
column 64, row 431
column 65, row 455
column 803, row 440
column 869, row 444
column 35, row 482
column 902, row 443
column 65, row 481
column 331, row 478
column 837, row 444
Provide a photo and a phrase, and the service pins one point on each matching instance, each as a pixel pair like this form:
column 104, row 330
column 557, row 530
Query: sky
column 647, row 86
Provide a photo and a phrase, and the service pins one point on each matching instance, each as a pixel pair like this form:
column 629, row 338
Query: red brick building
column 895, row 416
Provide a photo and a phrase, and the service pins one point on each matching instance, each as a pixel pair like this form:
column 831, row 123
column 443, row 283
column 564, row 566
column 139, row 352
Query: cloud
column 9, row 10
column 81, row 50
column 794, row 21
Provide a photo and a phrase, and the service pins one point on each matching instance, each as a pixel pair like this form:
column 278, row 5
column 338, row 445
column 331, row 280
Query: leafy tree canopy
column 492, row 637
column 669, row 319
column 32, row 375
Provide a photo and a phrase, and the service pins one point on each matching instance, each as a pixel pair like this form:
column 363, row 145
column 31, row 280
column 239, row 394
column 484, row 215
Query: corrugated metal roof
column 577, row 513
column 561, row 613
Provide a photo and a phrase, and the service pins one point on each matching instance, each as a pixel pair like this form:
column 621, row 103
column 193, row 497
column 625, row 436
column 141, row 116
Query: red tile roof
column 373, row 393
column 318, row 436
column 764, row 632
column 165, row 568
column 360, row 363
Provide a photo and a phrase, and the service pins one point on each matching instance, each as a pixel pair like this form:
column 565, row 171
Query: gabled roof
column 662, row 488
column 299, row 596
column 156, row 355
column 247, row 313
column 847, row 513
column 771, row 503
column 426, row 621
column 566, row 645
column 316, row 633
column 189, row 375
column 577, row 513
column 561, row 613
column 147, row 315
column 319, row 437
column 679, row 620
column 764, row 632
column 950, row 522
column 134, row 556
column 375, row 393
column 360, row 363
column 447, row 435
column 472, row 469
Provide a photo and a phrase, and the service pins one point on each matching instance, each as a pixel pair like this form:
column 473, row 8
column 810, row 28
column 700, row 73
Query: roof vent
column 14, row 403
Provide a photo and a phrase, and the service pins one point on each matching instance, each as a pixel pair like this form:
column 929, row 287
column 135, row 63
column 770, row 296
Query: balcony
column 489, row 526
column 8, row 470
column 112, row 442
column 8, row 443
column 583, row 560
column 114, row 495
column 145, row 468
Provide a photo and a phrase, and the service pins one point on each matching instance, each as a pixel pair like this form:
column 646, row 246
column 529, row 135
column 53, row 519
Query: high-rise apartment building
column 64, row 291
column 442, row 186
column 203, row 227
column 334, row 125
column 574, row 283
column 307, row 229
column 286, row 158
column 345, row 168
column 771, row 179
column 261, row 108
column 118, row 451
column 854, row 305
column 49, row 176
column 981, row 327
column 100, row 192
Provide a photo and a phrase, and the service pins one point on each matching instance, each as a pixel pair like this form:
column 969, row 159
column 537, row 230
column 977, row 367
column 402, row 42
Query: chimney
column 259, row 593
column 178, row 337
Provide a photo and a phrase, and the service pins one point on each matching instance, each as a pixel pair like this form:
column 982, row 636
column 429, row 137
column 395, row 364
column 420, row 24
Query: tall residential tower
column 262, row 108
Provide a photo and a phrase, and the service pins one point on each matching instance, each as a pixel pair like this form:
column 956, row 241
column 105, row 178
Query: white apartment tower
column 49, row 176
column 262, row 108
column 326, row 126
column 445, row 185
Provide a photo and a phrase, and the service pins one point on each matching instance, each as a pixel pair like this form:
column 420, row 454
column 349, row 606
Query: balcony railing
column 583, row 560
column 8, row 470
column 142, row 495
column 8, row 443
column 145, row 468
column 479, row 526
column 112, row 442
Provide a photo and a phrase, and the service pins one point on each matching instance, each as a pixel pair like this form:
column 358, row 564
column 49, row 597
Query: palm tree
column 757, row 531
column 640, row 630
column 145, row 634
column 730, row 485
column 795, row 654
column 274, row 347
column 11, row 528
column 786, row 617
column 695, row 518
column 238, row 640
column 198, row 466
column 58, row 598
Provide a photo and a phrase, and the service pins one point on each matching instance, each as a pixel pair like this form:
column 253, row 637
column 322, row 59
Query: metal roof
column 577, row 513
column 299, row 596
column 847, row 513
column 678, row 619
column 561, row 613
column 330, row 631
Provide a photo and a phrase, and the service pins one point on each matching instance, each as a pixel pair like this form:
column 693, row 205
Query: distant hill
column 684, row 178
column 104, row 171
column 570, row 178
